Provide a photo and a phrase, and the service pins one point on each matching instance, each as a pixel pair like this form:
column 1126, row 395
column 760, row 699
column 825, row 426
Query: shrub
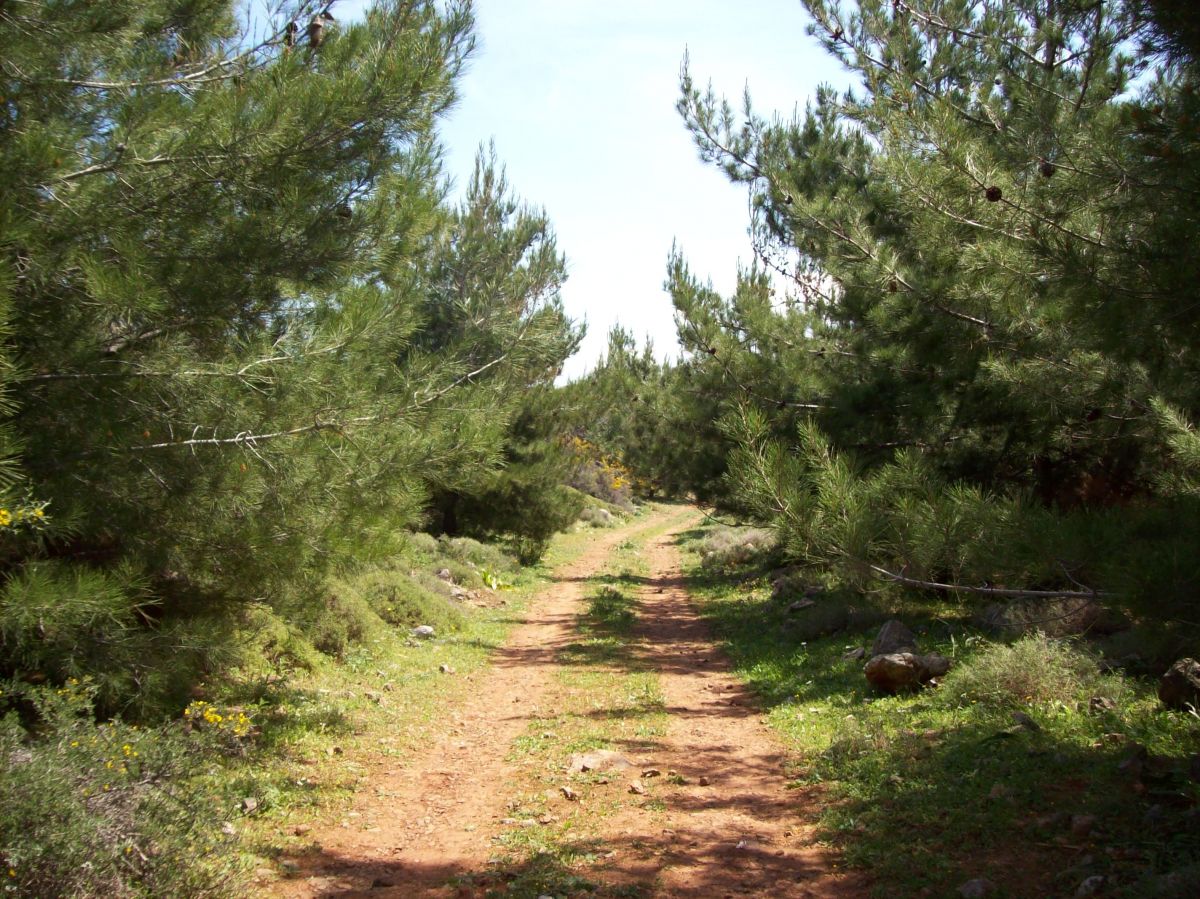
column 109, row 810
column 727, row 547
column 423, row 543
column 403, row 602
column 60, row 621
column 1034, row 669
column 595, row 517
column 481, row 555
column 343, row 621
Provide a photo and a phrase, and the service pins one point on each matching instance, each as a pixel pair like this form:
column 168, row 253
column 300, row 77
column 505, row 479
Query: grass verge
column 1027, row 767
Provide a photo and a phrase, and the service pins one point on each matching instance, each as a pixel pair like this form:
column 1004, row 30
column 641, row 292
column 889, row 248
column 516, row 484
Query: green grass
column 927, row 791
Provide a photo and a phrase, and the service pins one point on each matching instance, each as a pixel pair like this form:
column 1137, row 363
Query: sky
column 579, row 97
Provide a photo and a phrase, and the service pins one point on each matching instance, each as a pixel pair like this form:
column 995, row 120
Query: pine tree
column 967, row 301
column 236, row 354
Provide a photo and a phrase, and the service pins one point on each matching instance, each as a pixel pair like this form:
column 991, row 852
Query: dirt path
column 415, row 828
column 732, row 826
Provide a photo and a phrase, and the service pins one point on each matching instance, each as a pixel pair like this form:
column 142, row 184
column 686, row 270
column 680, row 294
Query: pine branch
column 988, row 591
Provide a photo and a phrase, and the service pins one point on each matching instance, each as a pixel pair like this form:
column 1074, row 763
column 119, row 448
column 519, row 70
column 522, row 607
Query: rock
column 1099, row 704
column 1054, row 617
column 853, row 655
column 569, row 794
column 599, row 760
column 898, row 671
column 1023, row 720
column 1180, row 686
column 249, row 804
column 800, row 605
column 934, row 665
column 301, row 829
column 703, row 781
column 422, row 630
column 977, row 888
column 636, row 787
column 894, row 672
column 893, row 638
column 651, row 772
column 446, row 669
column 1092, row 886
column 444, row 574
column 1081, row 825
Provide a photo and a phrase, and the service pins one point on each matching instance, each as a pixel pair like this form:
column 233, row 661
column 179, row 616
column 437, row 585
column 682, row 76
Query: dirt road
column 726, row 825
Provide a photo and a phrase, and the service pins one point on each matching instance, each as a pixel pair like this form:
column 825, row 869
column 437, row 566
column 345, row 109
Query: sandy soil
column 414, row 828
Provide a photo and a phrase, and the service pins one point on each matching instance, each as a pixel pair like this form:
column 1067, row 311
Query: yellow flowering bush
column 600, row 474
column 22, row 515
column 108, row 808
column 231, row 722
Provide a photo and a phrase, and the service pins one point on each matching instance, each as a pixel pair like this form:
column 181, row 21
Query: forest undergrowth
column 1025, row 766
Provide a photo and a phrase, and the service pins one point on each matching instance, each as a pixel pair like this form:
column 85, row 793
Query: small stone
column 422, row 630
column 977, row 888
column 894, row 637
column 1092, row 886
column 651, row 772
column 301, row 829
column 569, row 794
column 444, row 574
column 800, row 605
column 249, row 804
column 228, row 829
column 1099, row 704
column 703, row 781
column 1023, row 720
column 1081, row 825
column 853, row 655
column 635, row 787
column 599, row 760
column 1180, row 686
column 446, row 669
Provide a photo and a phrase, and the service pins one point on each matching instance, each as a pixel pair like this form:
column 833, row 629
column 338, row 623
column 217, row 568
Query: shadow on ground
column 927, row 795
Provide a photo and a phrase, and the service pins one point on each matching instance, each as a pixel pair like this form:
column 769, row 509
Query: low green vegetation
column 1029, row 765
column 196, row 805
